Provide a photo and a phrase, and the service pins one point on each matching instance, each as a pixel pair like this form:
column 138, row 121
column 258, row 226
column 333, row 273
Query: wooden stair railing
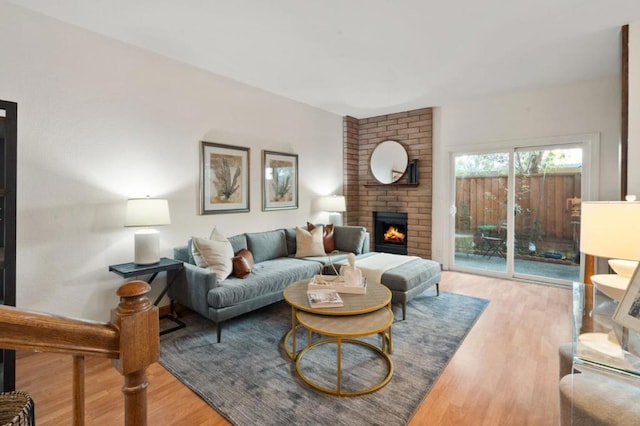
column 131, row 339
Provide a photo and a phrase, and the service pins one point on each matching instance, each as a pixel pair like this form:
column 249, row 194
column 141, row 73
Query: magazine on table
column 325, row 298
column 338, row 283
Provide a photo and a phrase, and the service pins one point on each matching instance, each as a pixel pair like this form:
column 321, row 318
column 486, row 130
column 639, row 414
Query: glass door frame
column 590, row 144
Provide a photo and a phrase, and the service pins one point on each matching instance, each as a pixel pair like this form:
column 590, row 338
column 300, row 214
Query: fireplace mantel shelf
column 371, row 185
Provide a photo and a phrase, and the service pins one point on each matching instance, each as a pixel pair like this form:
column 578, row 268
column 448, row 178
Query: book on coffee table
column 337, row 283
column 325, row 298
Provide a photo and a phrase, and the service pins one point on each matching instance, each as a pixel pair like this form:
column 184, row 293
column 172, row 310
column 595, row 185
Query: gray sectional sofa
column 275, row 267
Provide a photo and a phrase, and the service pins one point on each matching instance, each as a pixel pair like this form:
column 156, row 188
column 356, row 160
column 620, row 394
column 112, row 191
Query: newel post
column 137, row 320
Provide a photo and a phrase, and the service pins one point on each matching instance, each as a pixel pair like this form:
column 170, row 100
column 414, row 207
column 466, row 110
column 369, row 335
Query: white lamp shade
column 332, row 203
column 147, row 212
column 610, row 229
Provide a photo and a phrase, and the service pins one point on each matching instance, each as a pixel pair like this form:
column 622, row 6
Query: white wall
column 99, row 122
column 578, row 108
column 633, row 171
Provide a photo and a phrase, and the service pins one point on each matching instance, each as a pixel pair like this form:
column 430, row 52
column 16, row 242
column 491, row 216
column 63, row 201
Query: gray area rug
column 249, row 379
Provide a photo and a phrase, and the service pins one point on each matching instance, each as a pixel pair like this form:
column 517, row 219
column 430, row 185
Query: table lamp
column 146, row 212
column 335, row 205
column 611, row 229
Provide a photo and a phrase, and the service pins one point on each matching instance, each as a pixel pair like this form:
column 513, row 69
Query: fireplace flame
column 393, row 234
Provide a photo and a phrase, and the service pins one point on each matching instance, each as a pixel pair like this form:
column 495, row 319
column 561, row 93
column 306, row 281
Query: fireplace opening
column 390, row 232
column 394, row 235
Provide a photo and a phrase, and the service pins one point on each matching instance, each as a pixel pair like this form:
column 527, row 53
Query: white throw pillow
column 215, row 254
column 309, row 243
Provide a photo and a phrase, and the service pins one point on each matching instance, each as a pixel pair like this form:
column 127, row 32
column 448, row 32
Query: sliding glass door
column 481, row 188
column 548, row 193
column 517, row 212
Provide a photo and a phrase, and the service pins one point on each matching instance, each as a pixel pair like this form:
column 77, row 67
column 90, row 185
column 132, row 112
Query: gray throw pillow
column 267, row 245
column 238, row 242
column 349, row 238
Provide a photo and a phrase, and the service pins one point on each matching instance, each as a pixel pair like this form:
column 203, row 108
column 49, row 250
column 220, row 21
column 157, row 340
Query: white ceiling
column 370, row 57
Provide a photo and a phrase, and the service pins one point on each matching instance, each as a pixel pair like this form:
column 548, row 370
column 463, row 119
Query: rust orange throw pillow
column 242, row 263
column 327, row 239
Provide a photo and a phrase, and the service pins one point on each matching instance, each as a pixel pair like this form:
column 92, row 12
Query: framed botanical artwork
column 279, row 181
column 224, row 178
column 628, row 311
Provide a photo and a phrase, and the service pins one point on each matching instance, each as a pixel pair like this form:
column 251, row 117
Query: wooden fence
column 547, row 205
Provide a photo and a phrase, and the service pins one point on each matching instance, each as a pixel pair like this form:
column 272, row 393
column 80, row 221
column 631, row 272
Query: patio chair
column 494, row 245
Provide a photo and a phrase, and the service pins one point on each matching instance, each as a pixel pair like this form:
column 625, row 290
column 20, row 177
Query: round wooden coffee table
column 376, row 297
column 346, row 329
column 362, row 315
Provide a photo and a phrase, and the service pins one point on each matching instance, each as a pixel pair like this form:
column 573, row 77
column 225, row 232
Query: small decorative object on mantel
column 412, row 172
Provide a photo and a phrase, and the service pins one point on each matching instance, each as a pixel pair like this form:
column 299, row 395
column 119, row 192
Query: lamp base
column 147, row 247
column 613, row 286
column 335, row 218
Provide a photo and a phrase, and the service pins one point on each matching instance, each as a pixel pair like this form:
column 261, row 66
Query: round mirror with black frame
column 388, row 161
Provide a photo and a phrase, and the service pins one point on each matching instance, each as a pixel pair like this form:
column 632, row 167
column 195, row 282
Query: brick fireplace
column 364, row 195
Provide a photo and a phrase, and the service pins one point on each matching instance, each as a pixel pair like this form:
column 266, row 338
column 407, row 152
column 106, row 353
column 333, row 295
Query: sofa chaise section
column 407, row 280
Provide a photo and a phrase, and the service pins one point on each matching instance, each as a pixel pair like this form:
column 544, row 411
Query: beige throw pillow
column 328, row 240
column 215, row 254
column 309, row 243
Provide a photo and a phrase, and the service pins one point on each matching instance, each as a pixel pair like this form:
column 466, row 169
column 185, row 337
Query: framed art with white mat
column 224, row 178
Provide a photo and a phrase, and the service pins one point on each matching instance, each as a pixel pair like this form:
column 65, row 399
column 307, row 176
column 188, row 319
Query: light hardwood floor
column 504, row 373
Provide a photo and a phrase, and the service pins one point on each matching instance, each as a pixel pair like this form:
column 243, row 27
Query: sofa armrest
column 192, row 286
column 366, row 243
